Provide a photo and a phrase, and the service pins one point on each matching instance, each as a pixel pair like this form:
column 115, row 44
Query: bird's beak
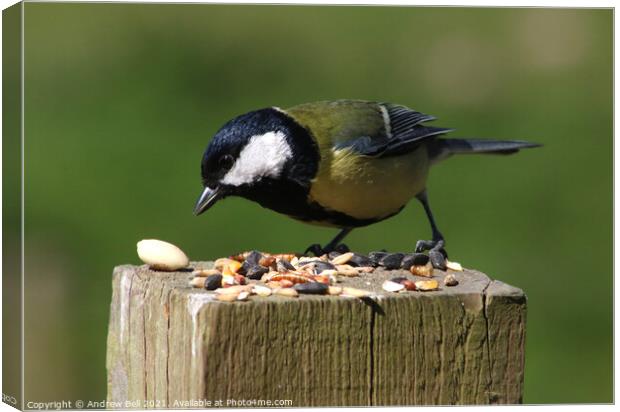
column 207, row 199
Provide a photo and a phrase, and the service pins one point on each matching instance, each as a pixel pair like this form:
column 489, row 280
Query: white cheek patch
column 263, row 156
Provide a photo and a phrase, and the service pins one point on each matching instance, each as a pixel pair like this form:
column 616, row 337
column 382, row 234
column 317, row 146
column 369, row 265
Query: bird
column 340, row 163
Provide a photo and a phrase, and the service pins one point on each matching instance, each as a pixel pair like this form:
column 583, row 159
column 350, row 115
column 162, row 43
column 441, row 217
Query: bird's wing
column 368, row 128
column 406, row 129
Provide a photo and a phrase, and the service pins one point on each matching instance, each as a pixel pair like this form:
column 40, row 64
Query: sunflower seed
column 437, row 259
column 314, row 288
column 414, row 259
column 284, row 266
column 253, row 258
column 333, row 255
column 256, row 272
column 245, row 266
column 213, row 282
column 360, row 260
column 391, row 261
column 320, row 267
column 375, row 257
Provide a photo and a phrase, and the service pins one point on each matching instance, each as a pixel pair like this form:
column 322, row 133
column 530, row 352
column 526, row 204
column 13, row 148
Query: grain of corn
column 426, row 285
column 425, row 270
column 221, row 262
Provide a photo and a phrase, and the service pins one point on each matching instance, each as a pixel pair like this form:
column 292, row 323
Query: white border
column 546, row 3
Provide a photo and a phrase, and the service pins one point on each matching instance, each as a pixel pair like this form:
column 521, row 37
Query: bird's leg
column 435, row 247
column 334, row 245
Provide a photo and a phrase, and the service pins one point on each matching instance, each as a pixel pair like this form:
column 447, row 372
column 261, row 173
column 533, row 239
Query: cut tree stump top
column 169, row 343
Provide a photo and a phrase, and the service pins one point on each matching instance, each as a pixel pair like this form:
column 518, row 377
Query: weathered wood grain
column 173, row 346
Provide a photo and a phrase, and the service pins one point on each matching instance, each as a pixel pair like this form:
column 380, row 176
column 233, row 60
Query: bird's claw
column 436, row 252
column 317, row 250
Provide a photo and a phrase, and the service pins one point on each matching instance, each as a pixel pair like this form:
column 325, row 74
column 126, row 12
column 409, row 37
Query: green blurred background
column 121, row 101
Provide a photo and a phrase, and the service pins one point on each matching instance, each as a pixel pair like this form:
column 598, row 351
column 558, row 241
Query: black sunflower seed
column 321, row 266
column 392, row 261
column 245, row 266
column 254, row 257
column 256, row 272
column 375, row 257
column 333, row 254
column 437, row 259
column 213, row 282
column 284, row 265
column 312, row 288
column 360, row 260
column 414, row 259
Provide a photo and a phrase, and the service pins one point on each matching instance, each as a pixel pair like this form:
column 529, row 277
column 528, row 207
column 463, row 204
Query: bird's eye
column 226, row 162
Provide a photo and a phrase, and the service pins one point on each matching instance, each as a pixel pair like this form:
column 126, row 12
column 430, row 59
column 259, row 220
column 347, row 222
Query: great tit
column 343, row 163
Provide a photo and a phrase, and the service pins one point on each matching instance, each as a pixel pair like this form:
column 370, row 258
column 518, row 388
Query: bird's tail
column 443, row 148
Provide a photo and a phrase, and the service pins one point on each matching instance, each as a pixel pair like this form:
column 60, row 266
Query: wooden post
column 173, row 346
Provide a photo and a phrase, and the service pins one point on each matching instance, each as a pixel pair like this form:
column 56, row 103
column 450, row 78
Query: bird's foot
column 317, row 250
column 436, row 252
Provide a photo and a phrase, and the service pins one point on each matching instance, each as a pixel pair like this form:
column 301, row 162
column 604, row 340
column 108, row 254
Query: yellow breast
column 366, row 187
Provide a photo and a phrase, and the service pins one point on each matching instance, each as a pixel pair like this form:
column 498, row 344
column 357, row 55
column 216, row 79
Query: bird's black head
column 251, row 152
